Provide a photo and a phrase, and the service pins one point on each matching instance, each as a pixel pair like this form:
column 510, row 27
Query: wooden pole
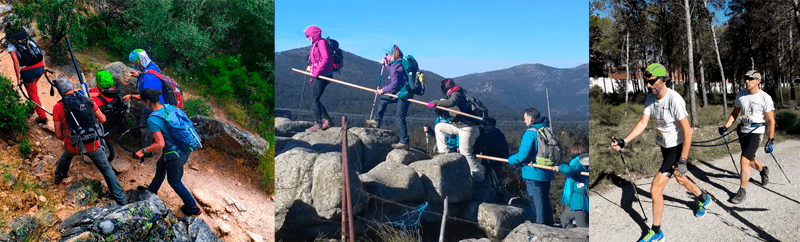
column 552, row 168
column 387, row 94
column 346, row 199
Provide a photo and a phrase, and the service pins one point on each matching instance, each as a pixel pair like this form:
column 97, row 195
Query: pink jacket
column 319, row 57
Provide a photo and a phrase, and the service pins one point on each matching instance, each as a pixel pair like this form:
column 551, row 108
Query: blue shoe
column 701, row 207
column 653, row 237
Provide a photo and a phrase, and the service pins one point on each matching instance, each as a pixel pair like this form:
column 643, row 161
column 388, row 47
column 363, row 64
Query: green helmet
column 656, row 69
column 104, row 79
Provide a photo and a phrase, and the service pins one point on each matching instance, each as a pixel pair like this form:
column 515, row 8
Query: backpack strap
column 153, row 72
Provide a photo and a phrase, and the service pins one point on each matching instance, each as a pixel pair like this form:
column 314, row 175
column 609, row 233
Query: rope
column 411, row 218
column 700, row 143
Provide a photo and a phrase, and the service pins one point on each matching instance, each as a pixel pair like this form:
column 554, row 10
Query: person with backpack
column 491, row 142
column 72, row 115
column 757, row 116
column 451, row 140
column 106, row 96
column 576, row 190
column 320, row 63
column 146, row 78
column 465, row 127
column 161, row 124
column 28, row 60
column 537, row 180
column 674, row 136
column 398, row 78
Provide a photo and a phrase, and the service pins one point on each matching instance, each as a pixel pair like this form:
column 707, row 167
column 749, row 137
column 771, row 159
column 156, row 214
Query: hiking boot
column 653, row 237
column 400, row 146
column 740, row 196
column 371, row 123
column 191, row 212
column 57, row 180
column 326, row 124
column 41, row 120
column 702, row 206
column 764, row 176
column 315, row 128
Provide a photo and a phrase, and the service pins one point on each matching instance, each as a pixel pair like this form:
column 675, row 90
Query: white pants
column 466, row 139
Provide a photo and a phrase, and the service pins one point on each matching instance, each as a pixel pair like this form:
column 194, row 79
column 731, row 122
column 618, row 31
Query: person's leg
column 383, row 102
column 62, row 167
column 541, row 202
column 400, row 118
column 319, row 110
column 441, row 130
column 531, row 190
column 147, row 137
column 30, row 78
column 466, row 139
column 323, row 111
column 581, row 219
column 688, row 184
column 100, row 161
column 566, row 219
column 158, row 178
column 656, row 191
column 174, row 164
column 749, row 144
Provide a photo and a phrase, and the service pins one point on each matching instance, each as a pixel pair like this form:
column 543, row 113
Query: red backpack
column 169, row 89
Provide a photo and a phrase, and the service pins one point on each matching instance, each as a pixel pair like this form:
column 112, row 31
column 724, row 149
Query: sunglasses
column 747, row 78
column 652, row 81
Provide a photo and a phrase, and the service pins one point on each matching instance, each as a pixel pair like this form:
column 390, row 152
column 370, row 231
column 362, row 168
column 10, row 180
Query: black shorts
column 749, row 143
column 30, row 75
column 671, row 156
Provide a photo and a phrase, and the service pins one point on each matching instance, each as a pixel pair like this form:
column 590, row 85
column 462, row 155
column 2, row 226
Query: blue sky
column 450, row 38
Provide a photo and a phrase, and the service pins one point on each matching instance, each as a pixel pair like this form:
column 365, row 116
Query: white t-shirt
column 667, row 112
column 11, row 47
column 753, row 107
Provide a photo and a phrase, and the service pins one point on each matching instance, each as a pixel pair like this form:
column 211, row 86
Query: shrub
column 25, row 148
column 196, row 106
column 56, row 19
column 787, row 120
column 13, row 112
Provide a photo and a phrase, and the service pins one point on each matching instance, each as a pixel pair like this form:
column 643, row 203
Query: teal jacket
column 526, row 154
column 573, row 196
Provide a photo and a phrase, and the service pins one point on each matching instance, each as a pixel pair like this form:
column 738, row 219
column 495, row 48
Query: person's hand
column 134, row 73
column 431, row 105
column 681, row 166
column 722, row 130
column 379, row 91
column 308, row 68
column 768, row 147
column 425, row 128
column 126, row 97
column 618, row 144
column 139, row 153
column 383, row 62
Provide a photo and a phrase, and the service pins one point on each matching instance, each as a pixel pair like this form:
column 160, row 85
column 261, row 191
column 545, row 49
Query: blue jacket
column 573, row 196
column 526, row 154
column 150, row 80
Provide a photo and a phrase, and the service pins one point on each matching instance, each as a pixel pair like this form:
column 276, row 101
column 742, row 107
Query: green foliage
column 56, row 19
column 13, row 112
column 605, row 113
column 267, row 167
column 196, row 106
column 787, row 120
column 25, row 148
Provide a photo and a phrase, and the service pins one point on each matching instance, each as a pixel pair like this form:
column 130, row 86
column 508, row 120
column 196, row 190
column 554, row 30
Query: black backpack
column 335, row 52
column 475, row 105
column 80, row 119
column 28, row 53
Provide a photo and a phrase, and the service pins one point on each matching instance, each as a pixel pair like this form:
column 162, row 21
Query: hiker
column 67, row 116
column 28, row 61
column 320, row 63
column 537, row 180
column 451, row 140
column 106, row 96
column 172, row 159
column 756, row 109
column 465, row 127
column 673, row 135
column 142, row 61
column 575, row 194
column 398, row 79
column 491, row 142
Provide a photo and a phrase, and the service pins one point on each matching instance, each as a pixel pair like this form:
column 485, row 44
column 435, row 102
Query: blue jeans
column 171, row 165
column 100, row 160
column 539, row 193
column 400, row 116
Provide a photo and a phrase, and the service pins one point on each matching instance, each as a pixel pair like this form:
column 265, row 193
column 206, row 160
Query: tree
column 691, row 62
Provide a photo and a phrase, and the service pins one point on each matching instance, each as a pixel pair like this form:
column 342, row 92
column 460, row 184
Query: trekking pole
column 376, row 98
column 30, row 100
column 427, row 145
column 78, row 70
column 531, row 165
column 388, row 94
column 729, row 153
column 779, row 166
column 302, row 95
column 631, row 182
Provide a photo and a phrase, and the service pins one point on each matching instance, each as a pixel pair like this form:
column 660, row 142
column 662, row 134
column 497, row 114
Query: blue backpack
column 180, row 128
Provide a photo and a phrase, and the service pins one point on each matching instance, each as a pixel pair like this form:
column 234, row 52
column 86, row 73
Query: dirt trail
column 768, row 213
column 219, row 174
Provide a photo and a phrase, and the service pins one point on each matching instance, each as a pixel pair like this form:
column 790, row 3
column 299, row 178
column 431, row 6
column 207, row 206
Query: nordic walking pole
column 387, row 94
column 427, row 145
column 631, row 182
column 729, row 153
column 302, row 95
column 779, row 166
column 552, row 168
column 30, row 100
column 376, row 94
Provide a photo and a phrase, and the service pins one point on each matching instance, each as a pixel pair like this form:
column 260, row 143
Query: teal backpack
column 181, row 128
column 415, row 85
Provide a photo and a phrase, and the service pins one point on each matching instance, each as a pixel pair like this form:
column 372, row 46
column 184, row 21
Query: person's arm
column 16, row 64
column 525, row 147
column 687, row 137
column 393, row 81
column 450, row 101
column 770, row 123
column 58, row 128
column 732, row 117
column 158, row 143
column 134, row 96
column 637, row 130
column 324, row 58
column 100, row 116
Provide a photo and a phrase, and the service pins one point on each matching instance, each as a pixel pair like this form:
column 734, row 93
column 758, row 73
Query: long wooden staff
column 552, row 168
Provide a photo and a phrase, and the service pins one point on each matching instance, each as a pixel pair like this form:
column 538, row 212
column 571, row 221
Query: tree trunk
column 691, row 63
column 627, row 70
column 719, row 61
column 703, row 84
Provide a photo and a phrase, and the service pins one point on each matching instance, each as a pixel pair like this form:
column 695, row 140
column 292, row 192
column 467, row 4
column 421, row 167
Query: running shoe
column 740, row 196
column 701, row 207
column 653, row 237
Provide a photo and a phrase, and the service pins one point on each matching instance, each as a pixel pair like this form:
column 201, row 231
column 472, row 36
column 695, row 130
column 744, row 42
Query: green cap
column 104, row 79
column 656, row 69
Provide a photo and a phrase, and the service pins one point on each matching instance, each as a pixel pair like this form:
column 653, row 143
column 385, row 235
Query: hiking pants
column 319, row 110
column 581, row 219
column 399, row 116
column 466, row 139
column 147, row 137
column 100, row 160
column 30, row 78
column 539, row 193
column 171, row 165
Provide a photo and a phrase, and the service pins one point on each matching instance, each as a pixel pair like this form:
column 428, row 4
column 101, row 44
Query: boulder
column 326, row 188
column 405, row 157
column 377, row 144
column 393, row 181
column 285, row 127
column 538, row 232
column 127, row 84
column 281, row 144
column 84, row 192
column 497, row 220
column 330, row 140
column 445, row 175
column 21, row 229
column 208, row 201
column 227, row 137
column 476, row 240
column 120, row 165
column 146, row 218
